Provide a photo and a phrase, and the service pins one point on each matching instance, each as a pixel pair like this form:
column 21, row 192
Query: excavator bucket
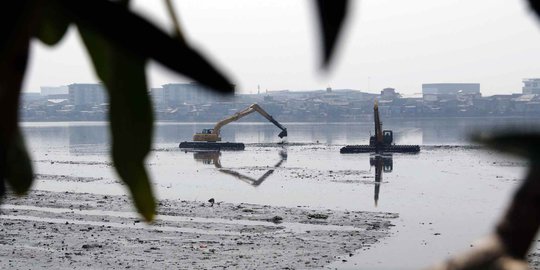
column 283, row 133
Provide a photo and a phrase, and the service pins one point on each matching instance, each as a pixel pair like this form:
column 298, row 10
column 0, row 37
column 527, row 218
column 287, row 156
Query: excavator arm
column 378, row 125
column 214, row 135
column 258, row 108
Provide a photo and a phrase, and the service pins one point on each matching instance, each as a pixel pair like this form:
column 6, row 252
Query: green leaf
column 19, row 173
column 332, row 14
column 53, row 22
column 15, row 28
column 130, row 112
column 129, row 32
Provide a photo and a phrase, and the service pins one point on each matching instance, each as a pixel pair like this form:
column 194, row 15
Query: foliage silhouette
column 116, row 40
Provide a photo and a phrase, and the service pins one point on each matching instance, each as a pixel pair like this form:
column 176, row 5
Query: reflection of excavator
column 213, row 157
column 381, row 142
column 382, row 163
column 210, row 138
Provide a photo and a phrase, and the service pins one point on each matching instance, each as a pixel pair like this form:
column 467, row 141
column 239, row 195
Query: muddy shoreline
column 66, row 230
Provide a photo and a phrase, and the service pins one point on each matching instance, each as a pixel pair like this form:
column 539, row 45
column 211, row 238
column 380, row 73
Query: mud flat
column 63, row 230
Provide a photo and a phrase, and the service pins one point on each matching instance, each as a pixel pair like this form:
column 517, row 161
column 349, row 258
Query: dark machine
column 381, row 142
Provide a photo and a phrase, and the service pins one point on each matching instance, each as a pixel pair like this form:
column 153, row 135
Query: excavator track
column 353, row 149
column 212, row 146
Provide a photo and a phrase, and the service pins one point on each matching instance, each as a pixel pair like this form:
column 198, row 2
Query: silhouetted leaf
column 332, row 14
column 19, row 173
column 2, row 171
column 128, row 31
column 130, row 114
column 53, row 22
column 521, row 144
column 15, row 25
column 535, row 5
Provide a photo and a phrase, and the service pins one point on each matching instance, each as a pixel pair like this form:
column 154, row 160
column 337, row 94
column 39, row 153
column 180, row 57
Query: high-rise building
column 191, row 93
column 438, row 91
column 531, row 86
column 54, row 90
column 87, row 94
column 157, row 95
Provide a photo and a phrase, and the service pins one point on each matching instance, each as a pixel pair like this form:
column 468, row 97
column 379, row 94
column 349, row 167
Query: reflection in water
column 213, row 157
column 88, row 139
column 208, row 157
column 94, row 137
column 382, row 163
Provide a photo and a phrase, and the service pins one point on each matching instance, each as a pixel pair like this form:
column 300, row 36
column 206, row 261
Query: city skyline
column 521, row 90
column 386, row 44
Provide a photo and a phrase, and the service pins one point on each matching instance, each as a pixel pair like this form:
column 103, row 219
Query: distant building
column 389, row 93
column 54, row 90
column 87, row 94
column 157, row 95
column 438, row 91
column 27, row 97
column 531, row 86
column 175, row 94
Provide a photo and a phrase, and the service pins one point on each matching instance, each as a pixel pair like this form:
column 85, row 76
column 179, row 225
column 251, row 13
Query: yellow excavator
column 211, row 138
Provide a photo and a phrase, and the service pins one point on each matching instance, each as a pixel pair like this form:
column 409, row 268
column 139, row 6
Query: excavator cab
column 207, row 131
column 388, row 137
column 207, row 135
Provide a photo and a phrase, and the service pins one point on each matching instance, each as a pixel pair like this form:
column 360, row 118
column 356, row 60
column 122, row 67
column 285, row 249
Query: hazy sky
column 387, row 43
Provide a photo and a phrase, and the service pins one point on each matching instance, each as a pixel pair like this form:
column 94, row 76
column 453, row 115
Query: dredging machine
column 381, row 142
column 210, row 139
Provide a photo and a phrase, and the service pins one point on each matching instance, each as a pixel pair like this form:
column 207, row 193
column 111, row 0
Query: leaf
column 130, row 114
column 53, row 22
column 535, row 6
column 525, row 145
column 130, row 32
column 332, row 14
column 15, row 28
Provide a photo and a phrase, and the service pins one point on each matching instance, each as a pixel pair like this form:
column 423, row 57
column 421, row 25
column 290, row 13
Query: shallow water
column 446, row 196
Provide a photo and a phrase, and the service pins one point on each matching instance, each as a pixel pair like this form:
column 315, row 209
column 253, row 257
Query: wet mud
column 66, row 230
column 534, row 257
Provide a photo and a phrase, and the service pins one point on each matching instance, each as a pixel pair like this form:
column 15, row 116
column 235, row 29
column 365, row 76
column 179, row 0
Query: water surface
column 446, row 196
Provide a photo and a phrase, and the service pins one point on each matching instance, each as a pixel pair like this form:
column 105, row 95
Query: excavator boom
column 258, row 108
column 213, row 135
column 378, row 125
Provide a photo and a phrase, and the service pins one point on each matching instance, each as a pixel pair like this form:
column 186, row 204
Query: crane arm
column 378, row 126
column 232, row 118
column 260, row 110
column 247, row 111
